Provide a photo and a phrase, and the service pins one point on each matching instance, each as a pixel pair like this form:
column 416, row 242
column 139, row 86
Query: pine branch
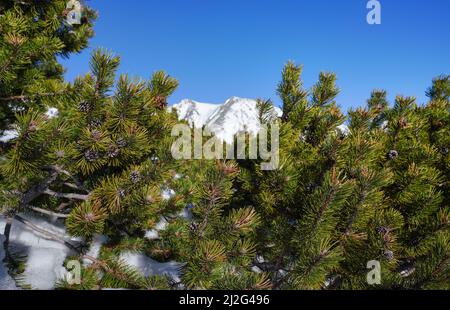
column 28, row 97
column 9, row 61
column 442, row 264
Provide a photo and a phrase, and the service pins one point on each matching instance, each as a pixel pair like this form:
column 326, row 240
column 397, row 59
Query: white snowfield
column 44, row 258
column 223, row 120
column 6, row 282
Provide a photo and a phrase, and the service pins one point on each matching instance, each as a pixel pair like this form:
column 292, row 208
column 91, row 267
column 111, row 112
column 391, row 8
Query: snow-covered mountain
column 224, row 120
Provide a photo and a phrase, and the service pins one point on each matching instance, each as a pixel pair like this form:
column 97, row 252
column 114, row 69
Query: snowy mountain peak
column 237, row 100
column 223, row 120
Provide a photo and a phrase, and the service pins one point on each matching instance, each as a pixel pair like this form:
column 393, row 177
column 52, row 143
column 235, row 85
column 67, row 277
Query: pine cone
column 121, row 192
column 161, row 102
column 113, row 151
column 382, row 230
column 393, row 154
column 32, row 126
column 402, row 123
column 389, row 254
column 95, row 123
column 91, row 155
column 84, row 106
column 97, row 135
column 121, row 142
column 193, row 227
column 135, row 176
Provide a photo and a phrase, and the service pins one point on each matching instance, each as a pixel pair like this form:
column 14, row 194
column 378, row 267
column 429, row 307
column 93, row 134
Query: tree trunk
column 7, row 231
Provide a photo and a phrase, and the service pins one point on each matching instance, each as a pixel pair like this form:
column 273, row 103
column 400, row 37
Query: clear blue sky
column 223, row 48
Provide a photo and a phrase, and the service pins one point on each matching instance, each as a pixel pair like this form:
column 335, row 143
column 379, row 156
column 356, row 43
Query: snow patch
column 154, row 233
column 148, row 266
column 167, row 193
column 52, row 112
column 6, row 282
column 94, row 249
column 45, row 257
column 8, row 135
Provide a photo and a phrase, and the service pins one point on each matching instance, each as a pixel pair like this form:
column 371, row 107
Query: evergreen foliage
column 34, row 34
column 340, row 200
column 103, row 166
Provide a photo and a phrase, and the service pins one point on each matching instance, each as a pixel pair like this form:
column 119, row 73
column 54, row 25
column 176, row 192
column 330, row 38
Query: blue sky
column 223, row 48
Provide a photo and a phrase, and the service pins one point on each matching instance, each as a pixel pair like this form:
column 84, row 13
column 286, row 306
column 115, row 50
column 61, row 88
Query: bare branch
column 72, row 185
column 78, row 183
column 26, row 97
column 66, row 195
column 46, row 234
column 36, row 191
column 54, row 214
column 64, row 205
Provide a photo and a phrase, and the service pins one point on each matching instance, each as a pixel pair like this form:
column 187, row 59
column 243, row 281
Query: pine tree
column 100, row 165
column 34, row 34
column 418, row 138
column 342, row 198
column 217, row 242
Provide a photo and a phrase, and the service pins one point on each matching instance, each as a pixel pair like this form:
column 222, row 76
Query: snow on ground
column 6, row 282
column 2, row 224
column 8, row 135
column 154, row 233
column 167, row 193
column 148, row 266
column 52, row 112
column 45, row 258
column 186, row 213
column 95, row 247
column 44, row 267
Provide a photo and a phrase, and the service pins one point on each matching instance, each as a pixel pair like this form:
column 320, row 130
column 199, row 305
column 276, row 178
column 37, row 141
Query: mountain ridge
column 223, row 120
